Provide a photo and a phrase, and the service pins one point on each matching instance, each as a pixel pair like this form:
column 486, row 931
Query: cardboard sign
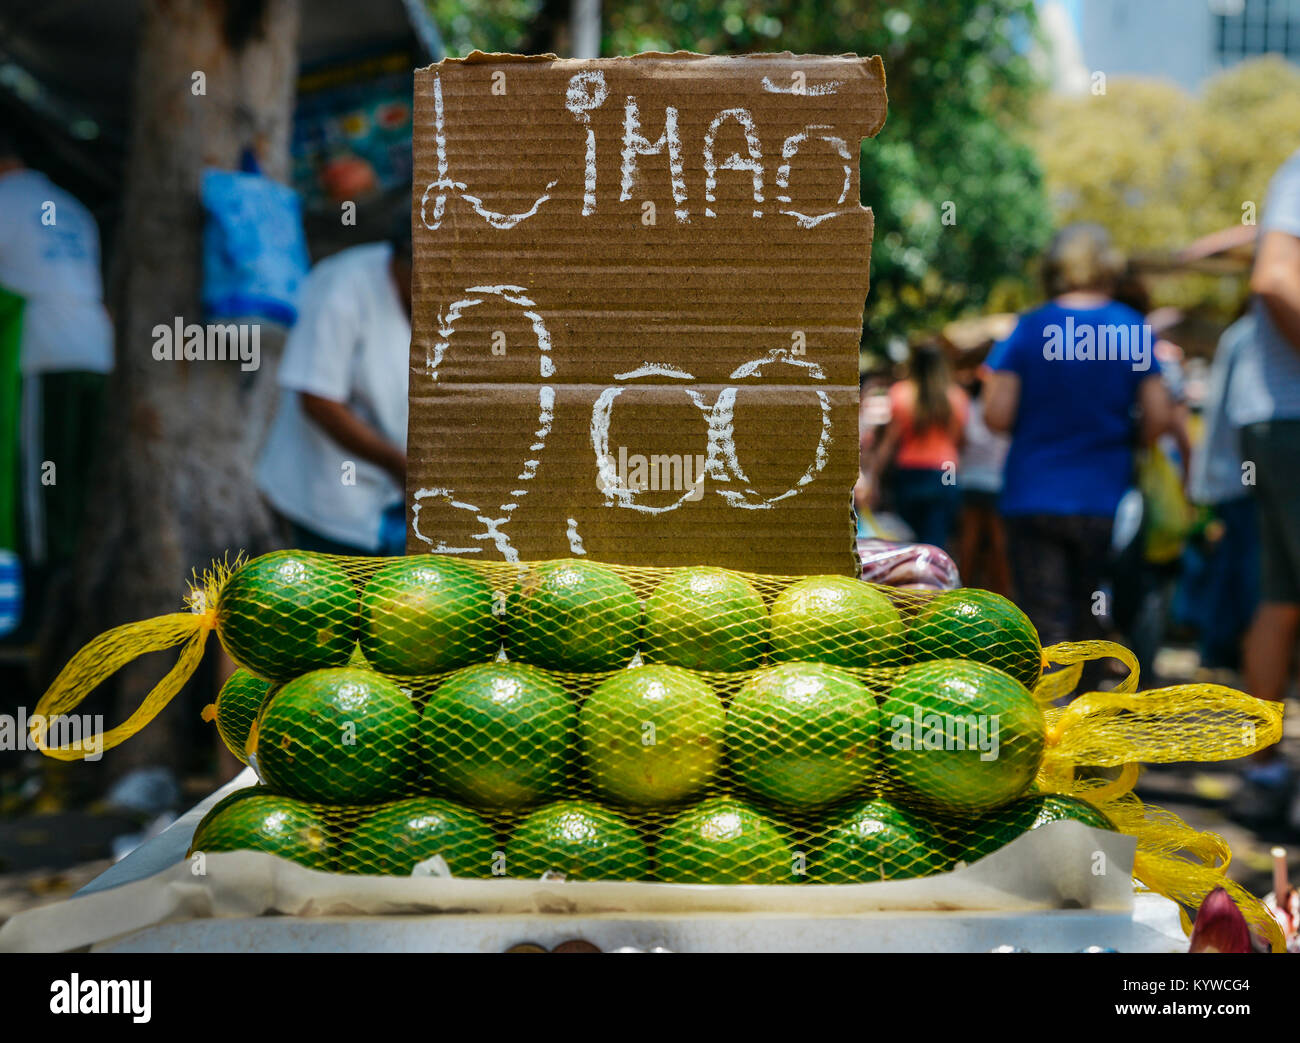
column 637, row 303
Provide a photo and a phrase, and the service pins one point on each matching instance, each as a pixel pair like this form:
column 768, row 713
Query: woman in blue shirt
column 1077, row 387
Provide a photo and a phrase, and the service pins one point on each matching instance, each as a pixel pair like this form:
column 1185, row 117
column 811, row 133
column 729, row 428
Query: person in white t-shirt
column 334, row 463
column 56, row 349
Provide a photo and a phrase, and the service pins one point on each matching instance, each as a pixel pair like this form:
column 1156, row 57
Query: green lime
column 237, row 704
column 837, row 620
column 803, row 734
column 724, row 841
column 705, row 619
column 961, row 735
column 286, row 613
column 572, row 615
column 652, row 735
column 426, row 614
column 395, row 839
column 498, row 734
column 255, row 790
column 998, row 828
column 980, row 626
column 259, row 821
column 879, row 840
column 340, row 736
column 580, row 839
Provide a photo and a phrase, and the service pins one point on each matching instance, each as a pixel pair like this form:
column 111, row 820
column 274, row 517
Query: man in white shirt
column 58, row 350
column 334, row 463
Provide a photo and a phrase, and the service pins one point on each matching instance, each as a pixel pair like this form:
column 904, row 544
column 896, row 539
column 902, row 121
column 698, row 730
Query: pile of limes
column 690, row 729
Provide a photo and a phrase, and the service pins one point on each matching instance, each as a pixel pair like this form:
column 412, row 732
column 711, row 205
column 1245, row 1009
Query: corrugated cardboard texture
column 637, row 303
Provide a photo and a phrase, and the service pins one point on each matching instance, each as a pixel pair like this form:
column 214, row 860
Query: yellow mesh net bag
column 687, row 725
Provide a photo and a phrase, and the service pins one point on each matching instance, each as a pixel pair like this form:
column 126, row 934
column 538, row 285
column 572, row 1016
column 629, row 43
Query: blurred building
column 1058, row 58
column 1186, row 41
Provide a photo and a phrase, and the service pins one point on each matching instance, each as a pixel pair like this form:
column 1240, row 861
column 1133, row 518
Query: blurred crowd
column 1063, row 458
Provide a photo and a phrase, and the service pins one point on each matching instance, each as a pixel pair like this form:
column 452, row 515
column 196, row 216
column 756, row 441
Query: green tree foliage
column 1251, row 123
column 483, row 25
column 1159, row 167
column 957, row 195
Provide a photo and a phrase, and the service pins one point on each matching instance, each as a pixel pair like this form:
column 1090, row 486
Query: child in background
column 922, row 442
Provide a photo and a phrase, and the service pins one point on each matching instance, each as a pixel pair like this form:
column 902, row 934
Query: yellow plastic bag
column 1167, row 516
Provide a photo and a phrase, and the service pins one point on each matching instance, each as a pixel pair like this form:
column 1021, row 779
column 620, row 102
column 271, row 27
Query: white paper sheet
column 1060, row 865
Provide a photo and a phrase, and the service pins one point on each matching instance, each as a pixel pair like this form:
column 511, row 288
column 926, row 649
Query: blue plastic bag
column 11, row 592
column 254, row 248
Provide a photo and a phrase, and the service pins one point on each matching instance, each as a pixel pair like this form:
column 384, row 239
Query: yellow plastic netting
column 686, row 725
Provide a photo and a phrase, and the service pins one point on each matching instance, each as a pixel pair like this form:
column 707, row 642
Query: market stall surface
column 1150, row 926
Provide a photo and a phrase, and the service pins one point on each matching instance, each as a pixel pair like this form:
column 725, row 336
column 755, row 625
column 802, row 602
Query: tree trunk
column 175, row 483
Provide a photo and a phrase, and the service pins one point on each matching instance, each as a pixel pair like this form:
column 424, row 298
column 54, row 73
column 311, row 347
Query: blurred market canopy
column 67, row 76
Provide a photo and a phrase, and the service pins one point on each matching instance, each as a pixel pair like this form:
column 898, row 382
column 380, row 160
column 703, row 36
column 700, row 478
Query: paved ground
column 1202, row 793
column 1199, row 794
column 33, row 887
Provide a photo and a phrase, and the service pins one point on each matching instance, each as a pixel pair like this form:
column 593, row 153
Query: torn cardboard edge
column 875, row 62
